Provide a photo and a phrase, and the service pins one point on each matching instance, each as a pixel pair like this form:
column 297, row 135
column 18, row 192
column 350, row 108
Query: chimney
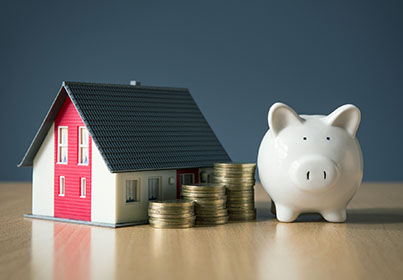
column 134, row 83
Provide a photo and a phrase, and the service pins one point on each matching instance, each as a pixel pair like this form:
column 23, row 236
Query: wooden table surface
column 368, row 246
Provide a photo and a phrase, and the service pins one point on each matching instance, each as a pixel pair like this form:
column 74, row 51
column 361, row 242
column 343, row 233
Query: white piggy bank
column 311, row 163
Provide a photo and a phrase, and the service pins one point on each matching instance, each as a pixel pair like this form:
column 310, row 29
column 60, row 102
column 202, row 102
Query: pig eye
column 328, row 138
column 304, row 138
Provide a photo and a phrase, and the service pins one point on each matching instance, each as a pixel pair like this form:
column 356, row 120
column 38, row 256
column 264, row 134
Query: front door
column 186, row 177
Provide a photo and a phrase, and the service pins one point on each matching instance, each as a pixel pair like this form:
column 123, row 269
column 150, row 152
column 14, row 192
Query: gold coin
column 240, row 209
column 240, row 204
column 234, row 193
column 210, row 208
column 247, row 185
column 211, row 187
column 246, row 214
column 206, row 194
column 240, row 200
column 171, row 211
column 243, row 216
column 212, row 212
column 240, row 187
column 171, row 216
column 249, row 195
column 216, row 221
column 167, row 225
column 237, row 198
column 178, row 220
column 157, row 221
column 209, row 201
column 170, row 203
column 234, row 174
column 234, row 165
column 191, row 195
column 226, row 180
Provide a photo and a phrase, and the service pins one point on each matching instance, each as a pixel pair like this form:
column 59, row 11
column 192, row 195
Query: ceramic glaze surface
column 311, row 163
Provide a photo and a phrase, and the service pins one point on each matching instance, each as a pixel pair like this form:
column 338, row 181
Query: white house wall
column 208, row 174
column 43, row 177
column 103, row 190
column 137, row 211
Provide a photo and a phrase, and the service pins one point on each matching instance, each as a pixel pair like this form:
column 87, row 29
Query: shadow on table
column 263, row 211
column 354, row 216
column 375, row 216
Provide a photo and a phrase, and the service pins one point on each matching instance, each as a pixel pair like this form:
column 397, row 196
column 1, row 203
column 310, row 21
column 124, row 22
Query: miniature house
column 103, row 151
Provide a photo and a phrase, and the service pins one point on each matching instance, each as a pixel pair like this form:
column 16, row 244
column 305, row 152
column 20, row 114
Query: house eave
column 156, row 169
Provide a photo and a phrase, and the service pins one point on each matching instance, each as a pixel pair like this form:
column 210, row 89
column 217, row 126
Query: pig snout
column 314, row 173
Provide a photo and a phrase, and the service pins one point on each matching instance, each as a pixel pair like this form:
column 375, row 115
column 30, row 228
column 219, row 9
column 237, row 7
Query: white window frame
column 203, row 177
column 159, row 187
column 62, row 145
column 182, row 178
column 83, row 187
column 81, row 145
column 62, row 185
column 132, row 193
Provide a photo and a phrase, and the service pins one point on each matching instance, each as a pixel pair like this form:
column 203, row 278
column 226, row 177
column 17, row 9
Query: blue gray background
column 236, row 58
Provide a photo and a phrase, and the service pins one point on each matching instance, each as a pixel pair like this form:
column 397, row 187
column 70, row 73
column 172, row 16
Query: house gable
column 72, row 180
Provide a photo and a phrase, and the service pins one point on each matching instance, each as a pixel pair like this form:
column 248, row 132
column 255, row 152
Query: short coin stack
column 239, row 179
column 171, row 214
column 210, row 203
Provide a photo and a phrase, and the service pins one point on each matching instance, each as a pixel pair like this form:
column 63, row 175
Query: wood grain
column 368, row 246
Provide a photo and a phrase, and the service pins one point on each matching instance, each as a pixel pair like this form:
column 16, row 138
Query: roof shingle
column 140, row 127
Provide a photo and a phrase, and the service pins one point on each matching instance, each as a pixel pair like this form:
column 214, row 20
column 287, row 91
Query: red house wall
column 71, row 205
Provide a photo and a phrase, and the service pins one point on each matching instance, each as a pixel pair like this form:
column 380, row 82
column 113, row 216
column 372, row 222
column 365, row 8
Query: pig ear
column 347, row 117
column 281, row 116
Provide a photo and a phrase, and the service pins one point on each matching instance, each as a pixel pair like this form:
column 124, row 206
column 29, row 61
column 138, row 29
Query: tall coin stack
column 210, row 203
column 171, row 214
column 239, row 179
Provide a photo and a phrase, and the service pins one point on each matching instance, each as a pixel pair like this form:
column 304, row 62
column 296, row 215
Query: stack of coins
column 171, row 214
column 210, row 203
column 239, row 179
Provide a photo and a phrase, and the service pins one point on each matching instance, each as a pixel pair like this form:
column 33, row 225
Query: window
column 132, row 190
column 62, row 145
column 186, row 179
column 83, row 187
column 62, row 185
column 83, row 145
column 154, row 188
column 203, row 177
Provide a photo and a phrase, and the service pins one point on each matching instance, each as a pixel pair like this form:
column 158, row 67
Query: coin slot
column 307, row 175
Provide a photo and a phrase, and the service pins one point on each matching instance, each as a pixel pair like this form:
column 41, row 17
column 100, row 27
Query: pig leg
column 273, row 208
column 285, row 214
column 334, row 216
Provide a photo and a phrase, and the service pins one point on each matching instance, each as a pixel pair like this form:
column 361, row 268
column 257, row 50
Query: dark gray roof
column 138, row 127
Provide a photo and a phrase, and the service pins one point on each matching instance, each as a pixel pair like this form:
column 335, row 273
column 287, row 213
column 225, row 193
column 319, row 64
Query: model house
column 104, row 151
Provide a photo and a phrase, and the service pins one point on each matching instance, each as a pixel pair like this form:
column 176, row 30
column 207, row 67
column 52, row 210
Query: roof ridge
column 162, row 88
column 185, row 145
